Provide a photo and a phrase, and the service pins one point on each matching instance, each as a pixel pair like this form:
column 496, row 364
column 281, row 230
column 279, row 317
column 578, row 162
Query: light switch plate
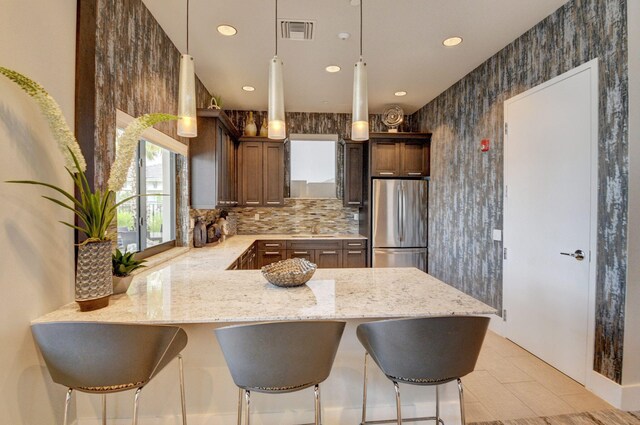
column 256, row 217
column 355, row 216
column 497, row 234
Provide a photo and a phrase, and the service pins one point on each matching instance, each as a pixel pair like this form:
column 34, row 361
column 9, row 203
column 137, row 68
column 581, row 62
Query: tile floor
column 510, row 383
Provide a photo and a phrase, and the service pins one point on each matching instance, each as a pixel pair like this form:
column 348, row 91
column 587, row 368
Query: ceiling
column 402, row 46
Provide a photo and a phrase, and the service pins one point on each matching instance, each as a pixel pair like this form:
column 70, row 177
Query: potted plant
column 94, row 208
column 122, row 266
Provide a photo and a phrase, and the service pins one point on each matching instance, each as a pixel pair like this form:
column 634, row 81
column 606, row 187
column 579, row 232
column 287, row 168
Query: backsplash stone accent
column 466, row 191
column 297, row 216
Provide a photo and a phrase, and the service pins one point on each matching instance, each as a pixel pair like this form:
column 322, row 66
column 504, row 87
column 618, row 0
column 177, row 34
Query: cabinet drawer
column 354, row 258
column 268, row 257
column 354, row 244
column 328, row 258
column 314, row 244
column 271, row 245
column 307, row 254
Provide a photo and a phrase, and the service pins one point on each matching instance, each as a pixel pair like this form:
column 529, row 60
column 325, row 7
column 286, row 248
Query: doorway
column 550, row 218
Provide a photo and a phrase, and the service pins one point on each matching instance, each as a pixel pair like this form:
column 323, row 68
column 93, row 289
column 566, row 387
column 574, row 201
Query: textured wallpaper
column 466, row 199
column 137, row 68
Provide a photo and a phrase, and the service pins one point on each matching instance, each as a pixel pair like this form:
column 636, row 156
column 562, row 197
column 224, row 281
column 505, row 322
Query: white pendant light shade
column 277, row 128
column 360, row 112
column 187, row 124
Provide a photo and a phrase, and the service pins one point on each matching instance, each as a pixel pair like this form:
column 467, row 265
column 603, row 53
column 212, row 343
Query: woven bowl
column 289, row 273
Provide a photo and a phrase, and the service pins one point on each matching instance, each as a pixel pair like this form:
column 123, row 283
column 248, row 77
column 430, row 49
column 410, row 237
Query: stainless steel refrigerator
column 400, row 223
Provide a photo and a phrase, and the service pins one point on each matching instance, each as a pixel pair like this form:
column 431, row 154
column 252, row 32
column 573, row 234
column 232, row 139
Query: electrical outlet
column 355, row 216
column 497, row 235
column 256, row 217
column 192, row 223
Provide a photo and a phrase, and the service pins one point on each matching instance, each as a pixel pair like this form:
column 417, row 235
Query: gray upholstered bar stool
column 103, row 358
column 425, row 351
column 280, row 357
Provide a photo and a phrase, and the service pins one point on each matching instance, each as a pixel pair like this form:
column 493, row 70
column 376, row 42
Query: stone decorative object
column 289, row 273
column 264, row 130
column 121, row 284
column 93, row 275
column 250, row 128
column 200, row 233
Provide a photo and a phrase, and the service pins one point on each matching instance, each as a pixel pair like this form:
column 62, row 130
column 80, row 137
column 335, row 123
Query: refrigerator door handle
column 399, row 215
column 404, row 199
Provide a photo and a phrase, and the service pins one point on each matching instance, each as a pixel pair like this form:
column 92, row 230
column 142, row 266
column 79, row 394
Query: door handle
column 578, row 255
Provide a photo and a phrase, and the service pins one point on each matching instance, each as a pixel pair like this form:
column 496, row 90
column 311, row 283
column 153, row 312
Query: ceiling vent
column 296, row 29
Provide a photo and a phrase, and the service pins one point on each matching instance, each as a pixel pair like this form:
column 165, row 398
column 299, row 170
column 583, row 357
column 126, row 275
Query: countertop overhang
column 195, row 288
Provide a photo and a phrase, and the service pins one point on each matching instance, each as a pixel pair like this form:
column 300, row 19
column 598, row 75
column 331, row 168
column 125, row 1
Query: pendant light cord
column 276, row 27
column 187, row 26
column 361, row 1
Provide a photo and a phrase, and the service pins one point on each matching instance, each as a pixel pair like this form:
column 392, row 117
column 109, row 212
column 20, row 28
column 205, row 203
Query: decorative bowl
column 289, row 273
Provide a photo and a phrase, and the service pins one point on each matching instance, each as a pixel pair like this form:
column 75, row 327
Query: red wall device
column 484, row 145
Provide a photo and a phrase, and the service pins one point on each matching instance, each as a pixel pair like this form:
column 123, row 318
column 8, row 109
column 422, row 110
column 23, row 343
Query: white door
column 550, row 219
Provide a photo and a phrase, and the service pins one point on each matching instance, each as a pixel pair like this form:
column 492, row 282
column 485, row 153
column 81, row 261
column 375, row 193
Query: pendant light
column 360, row 111
column 277, row 128
column 187, row 124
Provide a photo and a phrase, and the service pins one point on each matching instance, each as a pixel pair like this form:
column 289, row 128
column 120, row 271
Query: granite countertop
column 196, row 288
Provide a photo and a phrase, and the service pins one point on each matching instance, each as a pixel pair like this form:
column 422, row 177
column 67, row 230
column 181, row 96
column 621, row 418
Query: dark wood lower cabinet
column 268, row 257
column 354, row 258
column 328, row 259
column 334, row 254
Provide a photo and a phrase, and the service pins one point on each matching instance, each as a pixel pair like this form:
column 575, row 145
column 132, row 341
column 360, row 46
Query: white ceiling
column 402, row 46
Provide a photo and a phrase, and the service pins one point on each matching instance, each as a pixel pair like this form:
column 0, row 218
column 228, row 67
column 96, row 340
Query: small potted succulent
column 123, row 265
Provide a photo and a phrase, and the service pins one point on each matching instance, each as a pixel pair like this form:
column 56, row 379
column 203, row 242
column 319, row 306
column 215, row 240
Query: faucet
column 315, row 229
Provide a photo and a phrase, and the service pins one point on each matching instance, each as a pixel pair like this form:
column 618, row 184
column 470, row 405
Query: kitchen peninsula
column 196, row 292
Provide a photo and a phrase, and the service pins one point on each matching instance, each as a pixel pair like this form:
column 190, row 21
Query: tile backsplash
column 297, row 216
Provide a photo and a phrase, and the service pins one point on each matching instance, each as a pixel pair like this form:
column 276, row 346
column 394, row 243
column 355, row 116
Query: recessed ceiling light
column 343, row 35
column 227, row 30
column 452, row 41
column 400, row 93
column 333, row 68
column 248, row 88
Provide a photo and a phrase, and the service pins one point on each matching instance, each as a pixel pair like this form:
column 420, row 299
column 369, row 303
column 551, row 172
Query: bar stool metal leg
column 247, row 396
column 136, row 398
column 398, row 409
column 437, row 405
column 67, row 401
column 182, row 398
column 364, row 392
column 461, row 395
column 316, row 396
column 104, row 409
column 240, row 390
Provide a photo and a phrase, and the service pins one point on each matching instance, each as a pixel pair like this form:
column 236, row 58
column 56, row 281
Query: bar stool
column 280, row 357
column 425, row 351
column 103, row 358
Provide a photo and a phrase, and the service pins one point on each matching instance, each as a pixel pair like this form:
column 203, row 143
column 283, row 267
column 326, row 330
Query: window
column 313, row 166
column 148, row 220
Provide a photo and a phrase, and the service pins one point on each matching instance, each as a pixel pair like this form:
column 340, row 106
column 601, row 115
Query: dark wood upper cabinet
column 261, row 172
column 273, row 173
column 213, row 160
column 400, row 154
column 250, row 162
column 354, row 174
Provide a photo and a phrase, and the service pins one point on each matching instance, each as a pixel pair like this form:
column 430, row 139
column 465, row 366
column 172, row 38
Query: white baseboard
column 497, row 325
column 623, row 397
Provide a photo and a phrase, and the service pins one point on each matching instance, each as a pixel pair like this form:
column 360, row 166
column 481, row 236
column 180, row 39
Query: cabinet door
column 268, row 257
column 354, row 258
column 328, row 259
column 353, row 174
column 414, row 159
column 385, row 159
column 203, row 157
column 273, row 173
column 307, row 254
column 250, row 160
column 222, row 165
column 232, row 171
